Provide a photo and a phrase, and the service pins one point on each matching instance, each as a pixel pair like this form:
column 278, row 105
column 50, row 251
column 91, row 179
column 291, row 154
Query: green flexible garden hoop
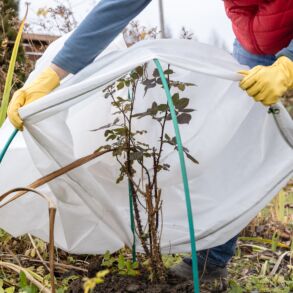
column 184, row 176
column 3, row 152
column 132, row 224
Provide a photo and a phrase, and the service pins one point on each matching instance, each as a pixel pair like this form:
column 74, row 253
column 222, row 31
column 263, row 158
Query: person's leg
column 219, row 255
column 211, row 262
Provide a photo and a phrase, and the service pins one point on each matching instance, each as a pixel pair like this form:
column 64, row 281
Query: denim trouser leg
column 220, row 255
column 251, row 60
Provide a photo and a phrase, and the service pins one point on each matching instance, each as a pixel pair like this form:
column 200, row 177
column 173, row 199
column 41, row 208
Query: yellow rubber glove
column 267, row 84
column 41, row 86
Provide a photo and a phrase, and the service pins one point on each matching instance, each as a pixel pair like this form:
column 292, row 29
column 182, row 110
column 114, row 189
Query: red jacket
column 261, row 26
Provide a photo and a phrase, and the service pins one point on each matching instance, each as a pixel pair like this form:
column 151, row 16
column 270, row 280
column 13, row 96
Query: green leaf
column 159, row 81
column 187, row 110
column 121, row 262
column 120, row 85
column 120, row 99
column 108, row 132
column 121, row 130
column 116, row 104
column 167, row 136
column 102, row 274
column 108, row 260
column 279, row 206
column 22, row 280
column 171, row 141
column 134, row 75
column 189, row 84
column 120, row 178
column 235, row 288
column 191, row 158
column 163, row 107
column 275, row 240
column 107, row 255
column 111, row 137
column 262, row 240
column 168, row 71
column 181, row 86
column 139, row 70
column 182, row 103
column 66, row 281
column 140, row 115
column 9, row 78
column 156, row 73
column 184, row 118
column 127, row 107
column 153, row 110
column 133, row 273
column 175, row 97
column 148, row 82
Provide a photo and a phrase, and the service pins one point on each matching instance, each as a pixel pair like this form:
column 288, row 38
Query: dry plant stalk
column 19, row 269
column 38, row 253
column 52, row 207
column 61, row 266
column 45, row 179
column 52, row 213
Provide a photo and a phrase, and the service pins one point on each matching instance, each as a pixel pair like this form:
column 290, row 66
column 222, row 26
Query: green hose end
column 3, row 152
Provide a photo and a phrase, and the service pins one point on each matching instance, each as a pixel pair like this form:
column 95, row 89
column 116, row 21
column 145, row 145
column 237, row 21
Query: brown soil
column 116, row 283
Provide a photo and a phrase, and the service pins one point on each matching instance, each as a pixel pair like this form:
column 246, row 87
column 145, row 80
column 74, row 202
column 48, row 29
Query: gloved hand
column 267, row 84
column 41, row 86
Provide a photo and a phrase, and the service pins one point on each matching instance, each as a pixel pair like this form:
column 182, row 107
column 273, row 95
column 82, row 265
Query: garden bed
column 140, row 284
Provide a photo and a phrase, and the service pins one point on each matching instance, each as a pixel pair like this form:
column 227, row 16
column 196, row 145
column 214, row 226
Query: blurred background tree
column 9, row 24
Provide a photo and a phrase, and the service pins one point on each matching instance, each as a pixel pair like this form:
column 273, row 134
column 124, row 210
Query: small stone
column 132, row 288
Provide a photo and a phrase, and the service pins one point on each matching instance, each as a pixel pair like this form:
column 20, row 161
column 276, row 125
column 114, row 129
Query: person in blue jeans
column 265, row 32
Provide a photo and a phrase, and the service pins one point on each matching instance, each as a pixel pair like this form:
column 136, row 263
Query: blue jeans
column 220, row 255
column 251, row 60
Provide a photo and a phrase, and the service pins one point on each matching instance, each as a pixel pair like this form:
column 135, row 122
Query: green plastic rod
column 132, row 225
column 184, row 176
column 3, row 152
column 132, row 221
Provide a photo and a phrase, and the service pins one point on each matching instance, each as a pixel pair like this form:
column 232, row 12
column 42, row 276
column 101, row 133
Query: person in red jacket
column 264, row 33
column 262, row 27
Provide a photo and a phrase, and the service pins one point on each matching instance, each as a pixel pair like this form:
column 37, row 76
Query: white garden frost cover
column 244, row 156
